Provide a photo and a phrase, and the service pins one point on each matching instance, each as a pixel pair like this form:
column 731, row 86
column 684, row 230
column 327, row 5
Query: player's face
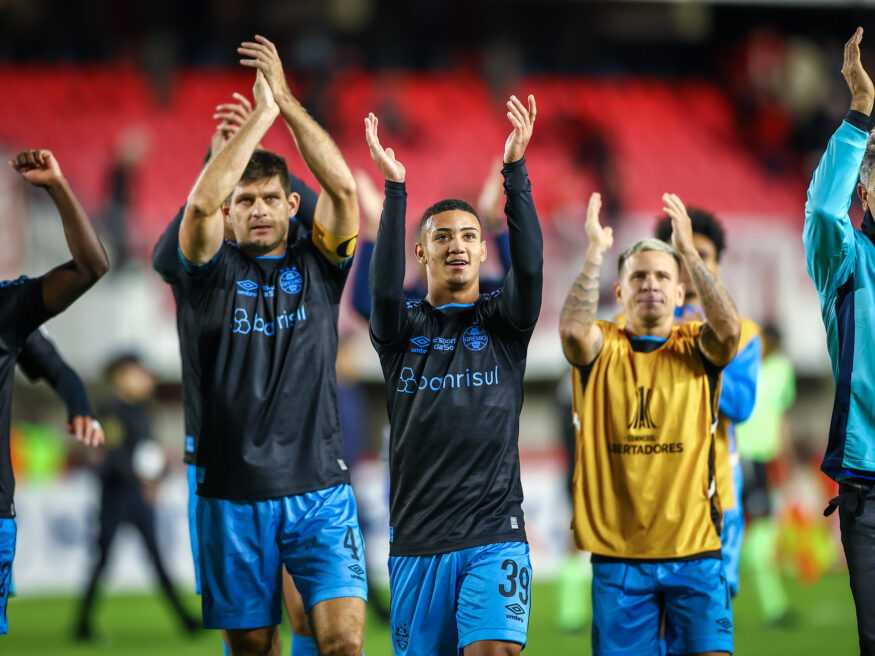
column 650, row 288
column 134, row 382
column 258, row 212
column 451, row 248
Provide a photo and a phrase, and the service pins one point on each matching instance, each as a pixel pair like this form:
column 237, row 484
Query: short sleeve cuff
column 858, row 119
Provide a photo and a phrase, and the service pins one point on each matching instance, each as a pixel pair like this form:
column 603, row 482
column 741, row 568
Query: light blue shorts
column 192, row 525
column 629, row 599
column 733, row 532
column 244, row 544
column 442, row 603
column 7, row 553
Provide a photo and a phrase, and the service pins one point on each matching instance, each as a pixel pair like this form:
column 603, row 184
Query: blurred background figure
column 129, row 476
column 761, row 440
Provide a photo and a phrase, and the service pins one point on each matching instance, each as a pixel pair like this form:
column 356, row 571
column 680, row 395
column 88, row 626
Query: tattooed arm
column 719, row 337
column 582, row 340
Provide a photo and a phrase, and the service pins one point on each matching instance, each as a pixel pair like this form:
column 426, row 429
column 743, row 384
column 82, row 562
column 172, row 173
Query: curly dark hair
column 704, row 223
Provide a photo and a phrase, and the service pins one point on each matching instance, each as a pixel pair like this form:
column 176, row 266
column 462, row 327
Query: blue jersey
column 841, row 261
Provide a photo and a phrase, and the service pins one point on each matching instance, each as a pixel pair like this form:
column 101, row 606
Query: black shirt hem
column 415, row 550
column 269, row 494
column 715, row 555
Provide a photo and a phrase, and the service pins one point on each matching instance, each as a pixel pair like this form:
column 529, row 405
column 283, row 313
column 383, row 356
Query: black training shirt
column 454, row 381
column 266, row 344
column 21, row 311
column 165, row 260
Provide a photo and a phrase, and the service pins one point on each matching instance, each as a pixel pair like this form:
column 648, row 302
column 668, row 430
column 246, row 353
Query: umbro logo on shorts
column 725, row 625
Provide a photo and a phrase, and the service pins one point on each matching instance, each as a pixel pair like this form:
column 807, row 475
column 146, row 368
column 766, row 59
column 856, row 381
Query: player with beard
column 459, row 567
column 645, row 405
column 25, row 303
column 273, row 487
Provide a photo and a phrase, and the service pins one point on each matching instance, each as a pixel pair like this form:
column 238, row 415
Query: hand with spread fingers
column 681, row 226
column 859, row 82
column 232, row 116
column 600, row 238
column 263, row 56
column 523, row 120
column 38, row 167
column 390, row 167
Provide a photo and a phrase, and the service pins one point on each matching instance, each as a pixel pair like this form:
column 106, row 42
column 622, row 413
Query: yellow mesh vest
column 644, row 472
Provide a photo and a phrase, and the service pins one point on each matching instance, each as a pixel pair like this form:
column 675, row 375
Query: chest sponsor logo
column 409, row 383
column 420, row 344
column 444, row 344
column 268, row 290
column 475, row 338
column 243, row 323
column 247, row 288
column 291, row 281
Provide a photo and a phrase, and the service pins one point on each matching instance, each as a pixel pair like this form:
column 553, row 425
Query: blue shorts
column 7, row 553
column 628, row 600
column 442, row 603
column 192, row 525
column 733, row 532
column 244, row 544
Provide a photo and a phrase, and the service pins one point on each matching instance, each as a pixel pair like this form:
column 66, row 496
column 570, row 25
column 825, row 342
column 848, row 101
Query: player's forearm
column 222, row 173
column 71, row 390
column 581, row 340
column 319, row 152
column 89, row 256
column 717, row 306
column 387, row 265
column 526, row 243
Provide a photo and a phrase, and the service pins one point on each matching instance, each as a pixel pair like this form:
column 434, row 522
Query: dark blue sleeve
column 389, row 308
column 361, row 292
column 520, row 298
column 739, row 389
column 307, row 206
column 39, row 359
column 165, row 257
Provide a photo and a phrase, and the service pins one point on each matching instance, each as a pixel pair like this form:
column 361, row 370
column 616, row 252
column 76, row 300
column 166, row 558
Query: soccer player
column 127, row 486
column 165, row 260
column 737, row 387
column 841, row 262
column 459, row 566
column 272, row 483
column 645, row 406
column 25, row 303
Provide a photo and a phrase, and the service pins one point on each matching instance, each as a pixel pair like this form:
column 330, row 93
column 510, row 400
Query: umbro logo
column 516, row 609
column 725, row 625
column 420, row 344
column 357, row 569
column 247, row 288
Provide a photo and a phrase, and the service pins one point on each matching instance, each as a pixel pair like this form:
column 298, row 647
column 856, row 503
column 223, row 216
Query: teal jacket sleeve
column 828, row 236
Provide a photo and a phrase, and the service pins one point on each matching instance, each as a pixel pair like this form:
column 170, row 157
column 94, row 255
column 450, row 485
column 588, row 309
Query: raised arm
column 828, row 235
column 39, row 359
column 64, row 284
column 371, row 201
column 719, row 337
column 202, row 228
column 337, row 210
column 389, row 308
column 488, row 207
column 523, row 286
column 582, row 340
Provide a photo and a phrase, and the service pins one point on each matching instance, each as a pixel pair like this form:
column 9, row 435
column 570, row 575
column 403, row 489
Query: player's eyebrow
column 450, row 230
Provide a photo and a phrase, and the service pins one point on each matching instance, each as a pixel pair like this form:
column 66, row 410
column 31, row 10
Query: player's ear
column 226, row 211
column 864, row 195
column 618, row 293
column 419, row 251
column 680, row 295
column 294, row 203
column 483, row 250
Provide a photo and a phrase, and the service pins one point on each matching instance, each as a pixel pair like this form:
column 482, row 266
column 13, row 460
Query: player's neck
column 661, row 330
column 440, row 296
